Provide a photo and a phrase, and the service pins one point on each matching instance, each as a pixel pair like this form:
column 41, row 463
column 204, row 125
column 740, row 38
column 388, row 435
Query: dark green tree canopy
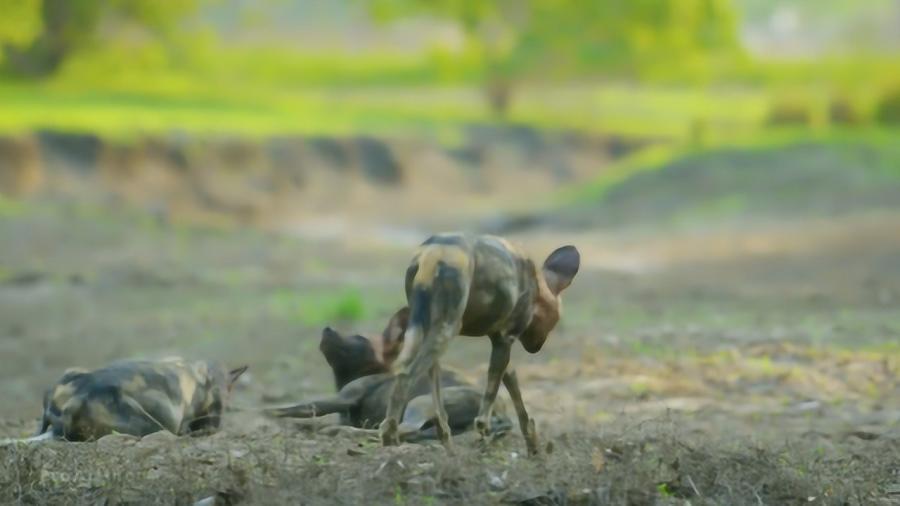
column 580, row 37
column 546, row 39
column 36, row 36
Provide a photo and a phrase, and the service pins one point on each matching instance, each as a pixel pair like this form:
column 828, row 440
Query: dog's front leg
column 389, row 428
column 501, row 346
column 526, row 424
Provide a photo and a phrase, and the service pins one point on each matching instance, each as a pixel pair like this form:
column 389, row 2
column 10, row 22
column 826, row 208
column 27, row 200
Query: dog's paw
column 389, row 433
column 483, row 427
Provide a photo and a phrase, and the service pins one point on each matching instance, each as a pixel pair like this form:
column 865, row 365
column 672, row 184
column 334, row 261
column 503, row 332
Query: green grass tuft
column 323, row 308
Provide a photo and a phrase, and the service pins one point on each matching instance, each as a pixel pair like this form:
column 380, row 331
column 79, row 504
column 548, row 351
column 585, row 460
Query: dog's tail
column 437, row 300
column 44, row 436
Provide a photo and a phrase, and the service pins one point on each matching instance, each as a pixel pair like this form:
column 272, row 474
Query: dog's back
column 481, row 284
column 137, row 398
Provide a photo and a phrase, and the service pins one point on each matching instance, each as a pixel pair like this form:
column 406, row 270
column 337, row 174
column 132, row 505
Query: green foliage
column 789, row 113
column 140, row 73
column 48, row 32
column 127, row 105
column 564, row 38
column 578, row 37
column 20, row 22
column 843, row 111
column 888, row 109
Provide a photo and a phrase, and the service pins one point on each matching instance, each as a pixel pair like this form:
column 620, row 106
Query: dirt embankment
column 258, row 181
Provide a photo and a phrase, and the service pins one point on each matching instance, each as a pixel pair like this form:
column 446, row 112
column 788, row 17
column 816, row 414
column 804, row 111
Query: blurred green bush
column 789, row 113
column 887, row 111
column 844, row 112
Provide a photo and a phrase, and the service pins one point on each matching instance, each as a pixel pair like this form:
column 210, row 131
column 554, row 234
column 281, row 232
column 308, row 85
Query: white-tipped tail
column 34, row 439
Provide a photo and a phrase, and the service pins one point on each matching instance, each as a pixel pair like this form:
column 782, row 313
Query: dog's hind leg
column 500, row 350
column 440, row 411
column 526, row 424
column 420, row 363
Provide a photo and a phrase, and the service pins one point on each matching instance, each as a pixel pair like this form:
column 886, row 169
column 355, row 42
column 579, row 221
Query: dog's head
column 224, row 378
column 355, row 356
column 552, row 278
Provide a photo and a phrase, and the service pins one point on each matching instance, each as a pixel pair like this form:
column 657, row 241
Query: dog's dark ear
column 561, row 267
column 393, row 333
column 392, row 337
column 234, row 374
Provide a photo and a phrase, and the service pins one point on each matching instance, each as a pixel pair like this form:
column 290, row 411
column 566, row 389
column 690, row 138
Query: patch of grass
column 399, row 498
column 656, row 157
column 314, row 309
column 10, row 208
column 784, row 172
column 648, row 159
column 258, row 109
column 663, row 489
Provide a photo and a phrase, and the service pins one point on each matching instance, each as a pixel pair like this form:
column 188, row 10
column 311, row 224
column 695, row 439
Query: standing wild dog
column 138, row 398
column 361, row 368
column 476, row 286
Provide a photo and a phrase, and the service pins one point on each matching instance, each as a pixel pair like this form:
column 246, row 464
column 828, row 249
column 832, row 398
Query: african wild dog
column 137, row 397
column 361, row 368
column 476, row 286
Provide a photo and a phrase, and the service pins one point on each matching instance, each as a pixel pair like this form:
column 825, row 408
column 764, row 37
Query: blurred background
column 223, row 178
column 297, row 115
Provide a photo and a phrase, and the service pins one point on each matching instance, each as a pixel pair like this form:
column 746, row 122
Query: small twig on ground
column 693, row 486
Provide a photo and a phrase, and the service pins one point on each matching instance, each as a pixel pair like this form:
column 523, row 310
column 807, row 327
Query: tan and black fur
column 476, row 286
column 138, row 398
column 361, row 368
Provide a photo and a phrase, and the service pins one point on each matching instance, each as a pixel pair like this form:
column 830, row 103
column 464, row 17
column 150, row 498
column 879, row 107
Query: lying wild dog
column 476, row 286
column 137, row 398
column 361, row 368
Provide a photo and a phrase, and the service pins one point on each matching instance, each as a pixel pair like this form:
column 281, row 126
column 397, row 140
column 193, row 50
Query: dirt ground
column 758, row 365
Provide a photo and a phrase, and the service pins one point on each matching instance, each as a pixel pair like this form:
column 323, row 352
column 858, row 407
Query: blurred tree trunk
column 65, row 22
column 499, row 91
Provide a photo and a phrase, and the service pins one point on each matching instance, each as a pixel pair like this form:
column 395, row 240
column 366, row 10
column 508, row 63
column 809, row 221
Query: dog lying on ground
column 138, row 398
column 475, row 286
column 361, row 368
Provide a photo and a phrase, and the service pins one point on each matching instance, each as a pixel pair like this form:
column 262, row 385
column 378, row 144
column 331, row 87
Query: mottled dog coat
column 138, row 398
column 361, row 368
column 476, row 286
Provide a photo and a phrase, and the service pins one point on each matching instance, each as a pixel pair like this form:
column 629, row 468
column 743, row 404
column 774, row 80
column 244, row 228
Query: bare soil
column 753, row 365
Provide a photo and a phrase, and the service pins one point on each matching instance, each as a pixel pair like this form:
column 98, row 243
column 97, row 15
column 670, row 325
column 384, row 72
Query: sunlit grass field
column 262, row 111
column 274, row 93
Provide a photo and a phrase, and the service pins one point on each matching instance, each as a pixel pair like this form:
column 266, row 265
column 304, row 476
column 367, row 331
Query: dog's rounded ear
column 234, row 374
column 396, row 326
column 561, row 267
column 392, row 336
